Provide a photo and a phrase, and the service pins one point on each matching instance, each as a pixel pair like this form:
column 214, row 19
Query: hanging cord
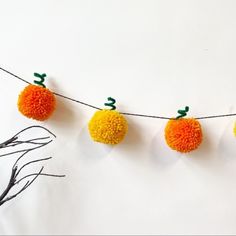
column 124, row 113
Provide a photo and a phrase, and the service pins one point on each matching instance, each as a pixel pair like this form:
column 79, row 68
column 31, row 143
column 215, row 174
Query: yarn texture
column 36, row 102
column 108, row 126
column 183, row 135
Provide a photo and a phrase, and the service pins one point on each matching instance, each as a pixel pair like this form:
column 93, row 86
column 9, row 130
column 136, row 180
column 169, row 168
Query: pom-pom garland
column 183, row 135
column 108, row 126
column 36, row 102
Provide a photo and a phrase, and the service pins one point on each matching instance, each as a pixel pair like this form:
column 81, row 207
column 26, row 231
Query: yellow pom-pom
column 235, row 129
column 36, row 102
column 183, row 135
column 108, row 126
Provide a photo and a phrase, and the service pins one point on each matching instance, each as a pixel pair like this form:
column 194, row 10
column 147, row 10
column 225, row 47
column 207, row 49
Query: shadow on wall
column 203, row 154
column 226, row 151
column 133, row 138
column 64, row 116
column 160, row 154
column 89, row 149
column 95, row 150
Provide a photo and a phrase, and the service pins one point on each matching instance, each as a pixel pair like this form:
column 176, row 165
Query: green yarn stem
column 42, row 79
column 111, row 103
column 183, row 113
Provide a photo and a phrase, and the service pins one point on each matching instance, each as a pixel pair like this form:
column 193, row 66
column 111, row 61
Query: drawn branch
column 15, row 141
column 15, row 179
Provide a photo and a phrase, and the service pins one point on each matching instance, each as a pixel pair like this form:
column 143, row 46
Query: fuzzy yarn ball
column 36, row 102
column 108, row 126
column 234, row 129
column 183, row 135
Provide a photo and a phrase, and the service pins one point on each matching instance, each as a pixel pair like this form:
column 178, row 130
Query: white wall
column 154, row 57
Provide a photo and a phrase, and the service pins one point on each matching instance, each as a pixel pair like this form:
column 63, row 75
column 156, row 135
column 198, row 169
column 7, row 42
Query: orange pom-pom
column 183, row 135
column 36, row 102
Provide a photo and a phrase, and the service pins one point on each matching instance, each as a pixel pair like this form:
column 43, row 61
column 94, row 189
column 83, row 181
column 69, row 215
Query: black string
column 73, row 100
column 124, row 113
column 8, row 72
column 216, row 116
column 147, row 116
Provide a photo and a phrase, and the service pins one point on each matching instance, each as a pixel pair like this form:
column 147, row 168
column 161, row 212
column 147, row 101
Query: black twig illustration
column 15, row 141
column 26, row 180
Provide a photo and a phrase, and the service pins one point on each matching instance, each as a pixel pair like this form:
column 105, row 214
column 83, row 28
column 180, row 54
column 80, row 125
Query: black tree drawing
column 17, row 145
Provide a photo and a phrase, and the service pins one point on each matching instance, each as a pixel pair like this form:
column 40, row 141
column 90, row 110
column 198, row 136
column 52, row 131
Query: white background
column 154, row 57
